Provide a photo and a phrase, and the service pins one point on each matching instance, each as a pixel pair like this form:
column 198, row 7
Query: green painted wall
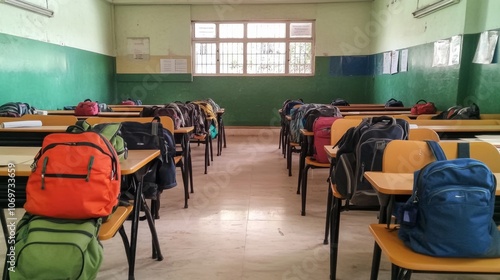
column 250, row 100
column 446, row 86
column 51, row 76
column 422, row 81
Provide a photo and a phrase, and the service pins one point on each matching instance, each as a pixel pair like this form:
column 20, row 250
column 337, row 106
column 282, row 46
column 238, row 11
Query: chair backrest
column 407, row 156
column 339, row 127
column 423, row 134
column 51, row 119
column 482, row 151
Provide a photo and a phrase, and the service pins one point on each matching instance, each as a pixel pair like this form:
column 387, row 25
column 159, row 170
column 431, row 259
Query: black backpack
column 323, row 111
column 361, row 149
column 459, row 113
column 394, row 103
column 340, row 102
column 140, row 136
column 16, row 109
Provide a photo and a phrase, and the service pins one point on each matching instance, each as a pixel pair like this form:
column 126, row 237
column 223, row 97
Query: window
column 253, row 48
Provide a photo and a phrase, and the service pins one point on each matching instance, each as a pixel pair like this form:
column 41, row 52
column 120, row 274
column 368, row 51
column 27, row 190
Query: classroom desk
column 101, row 114
column 374, row 113
column 33, row 137
column 373, row 108
column 462, row 131
column 135, row 167
column 391, row 184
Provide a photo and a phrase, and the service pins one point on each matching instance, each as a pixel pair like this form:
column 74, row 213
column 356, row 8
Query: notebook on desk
column 13, row 124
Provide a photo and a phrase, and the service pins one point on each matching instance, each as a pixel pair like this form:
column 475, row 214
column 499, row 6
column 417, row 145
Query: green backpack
column 109, row 130
column 48, row 248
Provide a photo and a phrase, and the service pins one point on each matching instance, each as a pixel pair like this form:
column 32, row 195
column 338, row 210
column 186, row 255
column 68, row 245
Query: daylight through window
column 253, row 48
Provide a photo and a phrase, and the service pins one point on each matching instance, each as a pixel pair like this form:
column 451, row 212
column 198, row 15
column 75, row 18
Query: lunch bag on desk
column 74, row 176
column 87, row 108
column 423, row 108
column 394, row 103
column 450, row 213
column 48, row 248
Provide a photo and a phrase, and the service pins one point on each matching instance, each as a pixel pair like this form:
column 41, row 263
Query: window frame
column 245, row 40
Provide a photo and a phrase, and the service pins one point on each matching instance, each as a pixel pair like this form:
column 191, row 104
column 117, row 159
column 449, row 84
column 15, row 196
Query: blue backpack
column 450, row 213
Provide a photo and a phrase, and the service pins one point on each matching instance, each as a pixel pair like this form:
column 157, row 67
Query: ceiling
column 227, row 2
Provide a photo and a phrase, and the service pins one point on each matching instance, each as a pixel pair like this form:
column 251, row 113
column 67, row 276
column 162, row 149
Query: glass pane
column 233, row 30
column 205, row 60
column 300, row 58
column 231, row 58
column 263, row 58
column 301, row 30
column 204, row 30
column 266, row 30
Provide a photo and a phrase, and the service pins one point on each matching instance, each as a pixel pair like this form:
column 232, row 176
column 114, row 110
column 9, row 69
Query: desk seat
column 115, row 222
column 405, row 261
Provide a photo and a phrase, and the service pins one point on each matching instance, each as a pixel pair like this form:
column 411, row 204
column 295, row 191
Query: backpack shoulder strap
column 436, row 150
column 463, row 150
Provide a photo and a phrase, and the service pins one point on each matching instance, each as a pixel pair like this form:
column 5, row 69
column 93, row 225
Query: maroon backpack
column 322, row 135
column 87, row 108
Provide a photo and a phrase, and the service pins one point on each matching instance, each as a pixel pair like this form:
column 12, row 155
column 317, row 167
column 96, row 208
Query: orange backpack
column 74, row 176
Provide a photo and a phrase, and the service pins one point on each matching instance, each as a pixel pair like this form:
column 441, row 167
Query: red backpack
column 75, row 176
column 322, row 134
column 87, row 108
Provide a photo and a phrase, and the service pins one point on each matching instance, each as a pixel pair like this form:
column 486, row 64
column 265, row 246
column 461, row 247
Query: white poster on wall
column 386, row 64
column 138, row 48
column 455, row 50
column 441, row 53
column 404, row 61
column 394, row 62
column 486, row 47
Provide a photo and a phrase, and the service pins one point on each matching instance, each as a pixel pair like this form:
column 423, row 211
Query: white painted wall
column 81, row 24
column 169, row 27
column 394, row 26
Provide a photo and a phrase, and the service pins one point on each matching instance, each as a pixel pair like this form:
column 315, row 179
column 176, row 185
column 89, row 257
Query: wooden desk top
column 101, row 114
column 118, row 114
column 46, row 128
column 184, row 130
column 330, row 151
column 372, row 108
column 399, row 183
column 306, row 132
column 62, row 128
column 462, row 128
column 127, row 109
column 378, row 113
column 60, row 112
column 23, row 157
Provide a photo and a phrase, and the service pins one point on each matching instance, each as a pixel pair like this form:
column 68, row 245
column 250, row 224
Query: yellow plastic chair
column 423, row 134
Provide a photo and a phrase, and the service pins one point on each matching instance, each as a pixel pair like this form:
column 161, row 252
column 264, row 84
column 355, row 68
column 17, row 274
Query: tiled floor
column 244, row 222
